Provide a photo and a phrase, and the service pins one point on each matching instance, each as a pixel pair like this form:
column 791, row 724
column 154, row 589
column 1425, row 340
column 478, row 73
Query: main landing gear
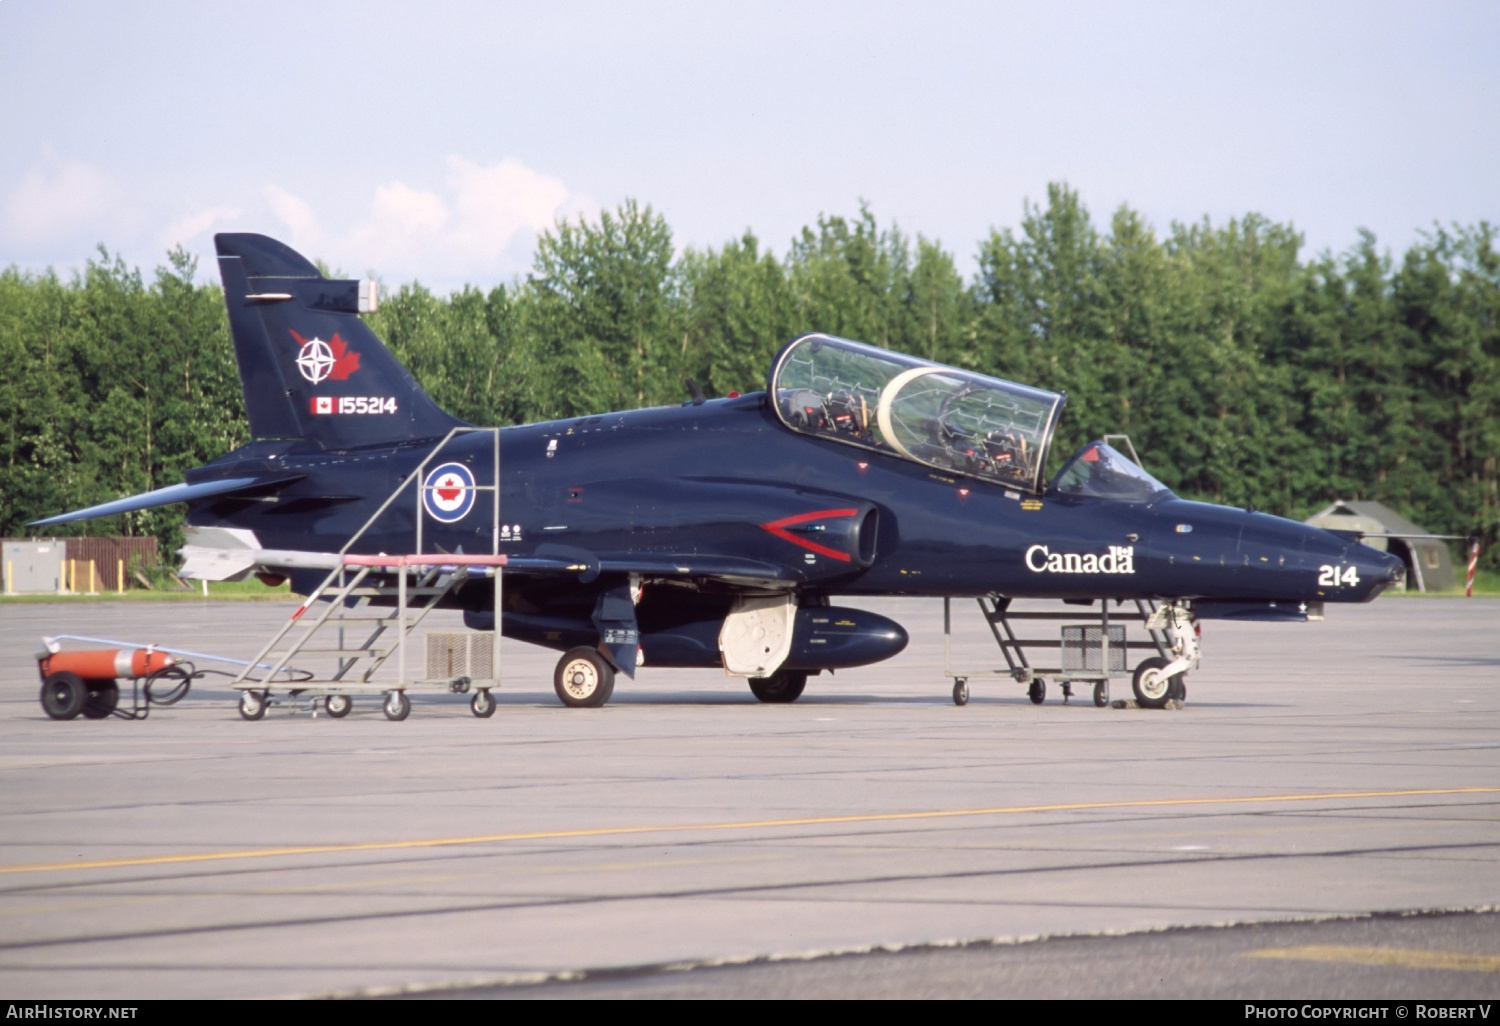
column 583, row 678
column 781, row 687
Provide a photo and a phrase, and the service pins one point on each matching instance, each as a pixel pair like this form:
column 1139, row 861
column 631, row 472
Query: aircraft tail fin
column 310, row 367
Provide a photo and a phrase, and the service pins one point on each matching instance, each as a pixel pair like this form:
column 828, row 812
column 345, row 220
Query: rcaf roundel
column 448, row 493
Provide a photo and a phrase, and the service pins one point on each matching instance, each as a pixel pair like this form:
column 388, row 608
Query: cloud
column 478, row 226
column 190, row 226
column 59, row 199
column 296, row 214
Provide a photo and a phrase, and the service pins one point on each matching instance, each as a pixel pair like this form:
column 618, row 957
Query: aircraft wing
column 731, row 570
column 172, row 493
column 222, row 554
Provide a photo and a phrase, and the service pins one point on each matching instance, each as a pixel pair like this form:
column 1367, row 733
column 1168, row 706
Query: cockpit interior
column 946, row 418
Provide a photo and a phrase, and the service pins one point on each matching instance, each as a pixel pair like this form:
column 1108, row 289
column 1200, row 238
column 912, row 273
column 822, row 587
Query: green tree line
column 1245, row 371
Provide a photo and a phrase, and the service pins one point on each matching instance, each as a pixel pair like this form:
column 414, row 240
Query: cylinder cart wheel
column 1037, row 692
column 253, row 704
column 339, row 705
column 583, row 678
column 103, row 696
column 397, row 705
column 1101, row 693
column 483, row 703
column 960, row 692
column 63, row 695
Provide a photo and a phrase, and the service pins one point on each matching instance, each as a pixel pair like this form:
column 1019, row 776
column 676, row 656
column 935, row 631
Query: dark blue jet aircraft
column 716, row 533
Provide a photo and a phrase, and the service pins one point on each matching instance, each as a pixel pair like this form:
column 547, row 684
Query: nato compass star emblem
column 315, row 361
column 325, row 361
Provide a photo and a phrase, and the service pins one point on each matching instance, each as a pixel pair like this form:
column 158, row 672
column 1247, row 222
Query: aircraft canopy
column 1102, row 472
column 950, row 419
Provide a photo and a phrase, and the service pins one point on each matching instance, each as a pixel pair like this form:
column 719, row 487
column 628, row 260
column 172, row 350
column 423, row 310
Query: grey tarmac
column 1318, row 771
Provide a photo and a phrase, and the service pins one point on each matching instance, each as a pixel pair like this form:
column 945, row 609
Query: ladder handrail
column 402, row 564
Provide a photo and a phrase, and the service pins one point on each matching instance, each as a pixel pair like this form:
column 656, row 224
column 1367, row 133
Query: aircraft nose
column 1380, row 569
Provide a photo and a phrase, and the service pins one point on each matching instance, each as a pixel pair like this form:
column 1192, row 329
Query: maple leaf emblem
column 345, row 360
column 319, row 360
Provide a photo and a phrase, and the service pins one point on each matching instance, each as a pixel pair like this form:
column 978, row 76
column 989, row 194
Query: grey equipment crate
column 455, row 654
column 1082, row 649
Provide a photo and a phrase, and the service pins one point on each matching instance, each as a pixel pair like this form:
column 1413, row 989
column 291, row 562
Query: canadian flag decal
column 322, row 404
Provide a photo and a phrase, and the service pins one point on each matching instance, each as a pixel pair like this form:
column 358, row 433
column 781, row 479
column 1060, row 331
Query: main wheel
column 583, row 678
column 780, row 687
column 63, row 695
column 960, row 692
column 397, row 705
column 103, row 696
column 338, row 706
column 1152, row 689
column 1037, row 692
column 1101, row 693
column 483, row 703
column 253, row 704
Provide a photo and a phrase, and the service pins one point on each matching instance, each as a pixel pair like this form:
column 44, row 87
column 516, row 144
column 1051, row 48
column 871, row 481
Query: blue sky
column 435, row 140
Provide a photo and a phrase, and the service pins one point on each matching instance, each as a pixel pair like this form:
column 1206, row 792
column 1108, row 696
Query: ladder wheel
column 483, row 703
column 253, row 704
column 397, row 705
column 1037, row 692
column 339, row 705
column 1101, row 693
column 960, row 692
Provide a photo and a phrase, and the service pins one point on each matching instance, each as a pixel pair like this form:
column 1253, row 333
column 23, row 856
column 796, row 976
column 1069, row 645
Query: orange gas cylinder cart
column 87, row 680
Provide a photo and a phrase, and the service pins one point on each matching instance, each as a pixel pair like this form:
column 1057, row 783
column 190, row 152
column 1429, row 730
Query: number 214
column 1330, row 577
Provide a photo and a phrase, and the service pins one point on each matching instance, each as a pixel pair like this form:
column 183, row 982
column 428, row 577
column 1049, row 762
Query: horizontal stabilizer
column 167, row 496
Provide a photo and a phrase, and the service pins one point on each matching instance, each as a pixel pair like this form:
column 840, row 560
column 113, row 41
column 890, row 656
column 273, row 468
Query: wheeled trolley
column 1093, row 652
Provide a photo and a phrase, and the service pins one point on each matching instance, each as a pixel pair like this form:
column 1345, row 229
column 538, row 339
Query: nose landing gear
column 1157, row 680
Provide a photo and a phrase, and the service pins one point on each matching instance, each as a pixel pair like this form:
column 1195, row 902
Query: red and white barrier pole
column 1473, row 562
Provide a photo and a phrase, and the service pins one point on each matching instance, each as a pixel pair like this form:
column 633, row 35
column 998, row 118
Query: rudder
column 310, row 367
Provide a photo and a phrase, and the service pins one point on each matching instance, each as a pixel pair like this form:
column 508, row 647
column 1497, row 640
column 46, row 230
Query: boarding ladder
column 373, row 603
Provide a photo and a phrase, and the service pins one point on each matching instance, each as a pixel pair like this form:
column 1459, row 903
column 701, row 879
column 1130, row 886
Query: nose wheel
column 1153, row 689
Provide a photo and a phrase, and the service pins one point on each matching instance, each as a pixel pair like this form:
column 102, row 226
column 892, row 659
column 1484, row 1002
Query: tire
column 253, row 704
column 1037, row 692
column 338, row 706
column 960, row 692
column 482, row 704
column 1152, row 690
column 102, row 698
column 583, row 678
column 780, row 688
column 1101, row 693
column 397, row 706
column 63, row 695
column 1179, row 687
